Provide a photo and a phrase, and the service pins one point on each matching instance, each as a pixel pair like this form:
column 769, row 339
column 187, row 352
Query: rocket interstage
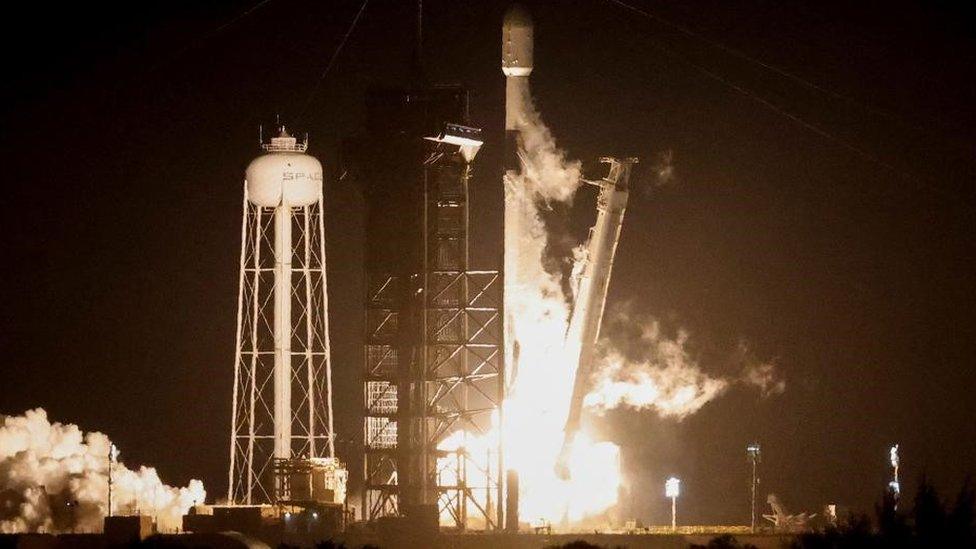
column 517, row 42
column 591, row 294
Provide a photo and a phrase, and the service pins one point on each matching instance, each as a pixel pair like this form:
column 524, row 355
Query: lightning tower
column 282, row 400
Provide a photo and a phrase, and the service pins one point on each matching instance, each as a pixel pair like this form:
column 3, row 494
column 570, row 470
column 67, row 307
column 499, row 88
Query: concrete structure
column 129, row 529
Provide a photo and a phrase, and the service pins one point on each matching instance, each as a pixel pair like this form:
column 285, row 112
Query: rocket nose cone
column 517, row 42
column 517, row 16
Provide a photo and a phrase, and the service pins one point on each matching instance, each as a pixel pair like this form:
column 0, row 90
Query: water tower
column 282, row 446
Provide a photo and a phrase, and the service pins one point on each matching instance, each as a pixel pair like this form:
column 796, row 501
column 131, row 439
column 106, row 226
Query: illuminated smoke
column 537, row 403
column 663, row 168
column 664, row 378
column 537, row 399
column 546, row 172
column 667, row 379
column 765, row 377
column 642, row 367
column 755, row 373
column 54, row 478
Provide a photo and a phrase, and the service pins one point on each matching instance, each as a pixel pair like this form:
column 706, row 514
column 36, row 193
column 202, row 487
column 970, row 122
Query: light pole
column 113, row 457
column 672, row 487
column 894, row 485
column 754, row 453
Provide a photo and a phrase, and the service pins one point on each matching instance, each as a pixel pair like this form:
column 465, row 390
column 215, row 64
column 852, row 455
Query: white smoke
column 546, row 172
column 537, row 402
column 665, row 377
column 663, row 168
column 765, row 377
column 54, row 478
column 541, row 312
column 653, row 371
column 668, row 379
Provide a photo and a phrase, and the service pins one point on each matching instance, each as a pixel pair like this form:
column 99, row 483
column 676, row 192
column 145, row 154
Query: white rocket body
column 517, row 66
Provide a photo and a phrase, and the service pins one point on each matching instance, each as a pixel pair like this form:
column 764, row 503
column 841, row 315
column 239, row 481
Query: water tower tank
column 284, row 175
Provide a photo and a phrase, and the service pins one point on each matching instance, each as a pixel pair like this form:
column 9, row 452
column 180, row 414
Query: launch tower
column 432, row 353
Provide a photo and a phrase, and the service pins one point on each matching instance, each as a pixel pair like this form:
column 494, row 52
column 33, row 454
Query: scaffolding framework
column 433, row 366
column 252, row 445
column 381, row 383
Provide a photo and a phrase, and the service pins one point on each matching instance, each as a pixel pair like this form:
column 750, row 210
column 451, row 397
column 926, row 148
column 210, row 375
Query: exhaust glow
column 543, row 364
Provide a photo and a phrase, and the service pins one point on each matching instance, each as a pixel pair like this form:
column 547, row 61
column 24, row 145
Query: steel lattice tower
column 282, row 397
column 433, row 328
column 461, row 380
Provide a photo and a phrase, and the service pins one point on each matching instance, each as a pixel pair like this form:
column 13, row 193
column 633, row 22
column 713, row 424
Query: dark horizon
column 836, row 244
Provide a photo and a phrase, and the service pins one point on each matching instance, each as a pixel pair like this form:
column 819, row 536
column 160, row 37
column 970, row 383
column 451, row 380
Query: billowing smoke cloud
column 54, row 478
column 765, row 377
column 643, row 367
column 537, row 402
column 546, row 172
column 663, row 168
column 541, row 311
column 654, row 371
column 666, row 378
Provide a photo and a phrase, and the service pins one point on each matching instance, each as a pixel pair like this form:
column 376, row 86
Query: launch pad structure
column 437, row 345
column 433, row 365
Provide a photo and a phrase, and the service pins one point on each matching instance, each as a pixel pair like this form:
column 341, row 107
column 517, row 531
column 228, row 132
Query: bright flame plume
column 667, row 380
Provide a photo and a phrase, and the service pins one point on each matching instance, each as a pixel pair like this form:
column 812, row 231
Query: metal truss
column 251, row 474
column 433, row 368
column 459, row 375
column 381, row 378
column 463, row 389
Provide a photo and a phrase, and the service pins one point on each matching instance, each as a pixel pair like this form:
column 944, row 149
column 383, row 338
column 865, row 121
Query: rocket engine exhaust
column 593, row 279
column 550, row 365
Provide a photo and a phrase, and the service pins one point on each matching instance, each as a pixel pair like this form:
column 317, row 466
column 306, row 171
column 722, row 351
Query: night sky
column 837, row 241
